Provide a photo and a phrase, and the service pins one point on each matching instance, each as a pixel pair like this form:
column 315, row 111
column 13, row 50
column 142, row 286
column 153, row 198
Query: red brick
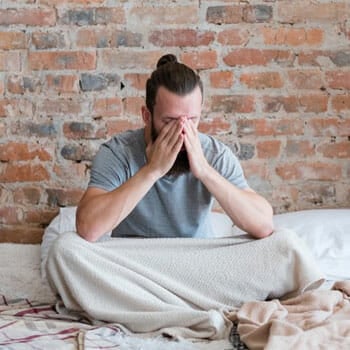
column 60, row 60
column 72, row 2
column 292, row 36
column 329, row 127
column 126, row 38
column 136, row 80
column 221, row 79
column 29, row 16
column 200, row 60
column 60, row 106
column 132, row 106
column 233, row 37
column 118, row 126
column 301, row 12
column 314, row 36
column 238, row 13
column 21, row 173
column 108, row 107
column 27, row 195
column 276, row 103
column 18, row 84
column 40, row 216
column 43, row 40
column 341, row 102
column 338, row 80
column 268, row 149
column 110, row 15
column 318, row 195
column 299, row 148
column 312, row 171
column 94, row 37
column 306, row 195
column 215, row 126
column 335, row 150
column 63, row 197
column 232, row 103
column 284, row 198
column 15, row 84
column 314, row 103
column 21, row 234
column 71, row 170
column 270, row 127
column 321, row 58
column 14, row 151
column 311, row 58
column 165, row 15
column 304, row 103
column 9, row 215
column 111, row 59
column 16, row 108
column 256, row 168
column 225, row 14
column 181, row 37
column 306, row 79
column 80, row 130
column 262, row 80
column 12, row 40
column 10, row 61
column 62, row 83
column 256, row 57
column 19, row 3
column 257, row 13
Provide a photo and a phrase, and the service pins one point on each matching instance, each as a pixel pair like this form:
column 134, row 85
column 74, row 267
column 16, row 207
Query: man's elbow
column 263, row 230
column 84, row 231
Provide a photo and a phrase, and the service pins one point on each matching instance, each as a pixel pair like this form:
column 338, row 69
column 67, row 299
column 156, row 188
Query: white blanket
column 181, row 287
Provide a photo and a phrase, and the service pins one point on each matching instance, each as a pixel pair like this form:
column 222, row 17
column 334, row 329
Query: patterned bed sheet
column 26, row 324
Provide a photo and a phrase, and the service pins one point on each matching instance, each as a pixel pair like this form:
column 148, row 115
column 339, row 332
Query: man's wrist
column 205, row 173
column 150, row 173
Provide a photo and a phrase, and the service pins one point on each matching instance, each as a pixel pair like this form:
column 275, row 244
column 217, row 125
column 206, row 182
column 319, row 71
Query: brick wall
column 72, row 73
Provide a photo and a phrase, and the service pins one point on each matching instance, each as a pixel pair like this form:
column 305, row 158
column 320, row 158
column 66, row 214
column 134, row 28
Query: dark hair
column 174, row 76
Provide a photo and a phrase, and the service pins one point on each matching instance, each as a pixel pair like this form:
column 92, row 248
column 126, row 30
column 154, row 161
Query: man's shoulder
column 212, row 145
column 126, row 139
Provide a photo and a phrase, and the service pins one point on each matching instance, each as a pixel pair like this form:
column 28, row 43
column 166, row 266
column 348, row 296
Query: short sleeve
column 107, row 171
column 228, row 165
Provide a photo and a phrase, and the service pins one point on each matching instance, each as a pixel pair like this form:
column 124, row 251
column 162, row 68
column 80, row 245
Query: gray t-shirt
column 176, row 206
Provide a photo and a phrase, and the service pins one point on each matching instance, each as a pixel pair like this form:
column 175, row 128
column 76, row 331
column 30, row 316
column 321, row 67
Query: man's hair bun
column 169, row 58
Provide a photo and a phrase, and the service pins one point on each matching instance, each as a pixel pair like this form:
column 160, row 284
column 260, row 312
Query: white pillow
column 63, row 222
column 221, row 224
column 327, row 233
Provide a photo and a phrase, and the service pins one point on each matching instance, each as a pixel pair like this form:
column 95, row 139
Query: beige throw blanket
column 182, row 287
column 318, row 319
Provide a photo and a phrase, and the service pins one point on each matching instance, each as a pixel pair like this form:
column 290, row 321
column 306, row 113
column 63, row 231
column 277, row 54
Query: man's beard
column 181, row 164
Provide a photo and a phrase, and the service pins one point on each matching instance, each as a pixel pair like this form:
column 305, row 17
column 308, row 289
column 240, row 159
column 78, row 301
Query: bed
column 29, row 318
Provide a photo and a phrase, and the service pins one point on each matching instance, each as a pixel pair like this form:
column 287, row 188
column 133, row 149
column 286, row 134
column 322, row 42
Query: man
column 161, row 181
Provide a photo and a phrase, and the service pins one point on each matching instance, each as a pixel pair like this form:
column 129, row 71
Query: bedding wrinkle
column 313, row 320
column 187, row 287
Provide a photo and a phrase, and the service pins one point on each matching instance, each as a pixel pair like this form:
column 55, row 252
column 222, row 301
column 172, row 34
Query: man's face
column 170, row 107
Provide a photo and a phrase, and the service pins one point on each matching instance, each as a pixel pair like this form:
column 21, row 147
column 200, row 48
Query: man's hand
column 162, row 153
column 197, row 160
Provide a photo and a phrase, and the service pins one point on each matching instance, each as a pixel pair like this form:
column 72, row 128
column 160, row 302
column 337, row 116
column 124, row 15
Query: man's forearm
column 248, row 210
column 100, row 213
